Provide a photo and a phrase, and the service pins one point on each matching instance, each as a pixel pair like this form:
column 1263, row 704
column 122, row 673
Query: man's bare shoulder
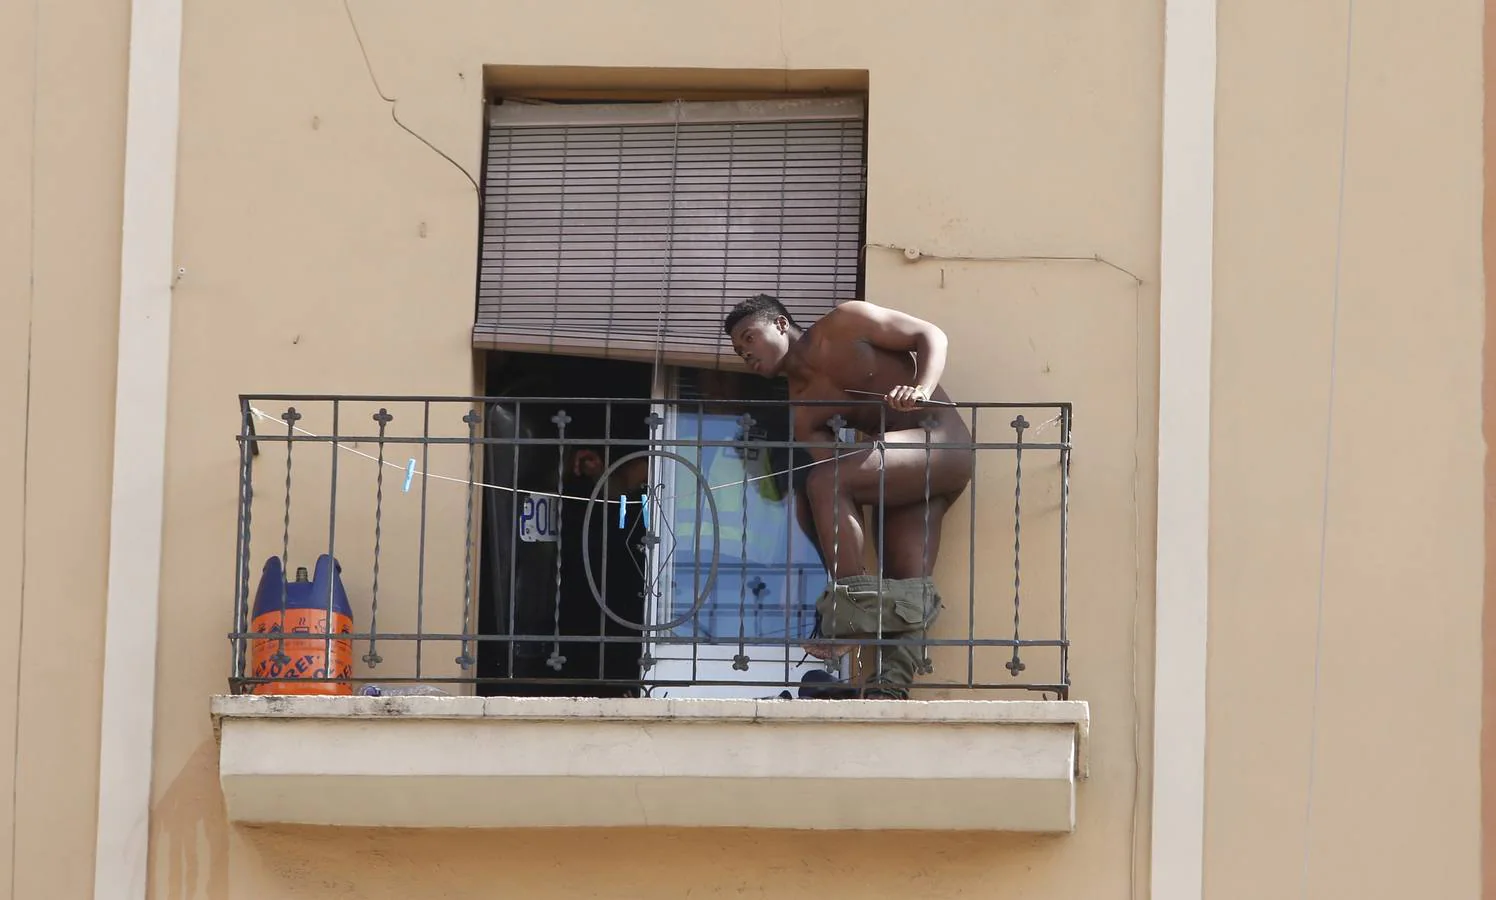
column 849, row 310
column 849, row 316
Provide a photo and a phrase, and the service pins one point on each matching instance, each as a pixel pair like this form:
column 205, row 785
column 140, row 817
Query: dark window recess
column 518, row 587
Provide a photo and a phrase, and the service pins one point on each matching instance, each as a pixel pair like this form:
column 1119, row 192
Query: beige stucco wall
column 304, row 256
column 1488, row 402
column 1395, row 805
column 62, row 66
column 300, row 223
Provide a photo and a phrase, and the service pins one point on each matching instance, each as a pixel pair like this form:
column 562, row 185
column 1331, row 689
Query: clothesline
column 410, row 470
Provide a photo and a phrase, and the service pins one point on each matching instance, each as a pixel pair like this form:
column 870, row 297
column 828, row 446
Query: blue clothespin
column 410, row 472
column 644, row 503
column 623, row 510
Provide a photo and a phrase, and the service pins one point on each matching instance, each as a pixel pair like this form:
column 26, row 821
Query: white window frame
column 719, row 657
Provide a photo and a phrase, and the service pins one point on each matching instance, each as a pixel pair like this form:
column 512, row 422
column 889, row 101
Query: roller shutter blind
column 623, row 230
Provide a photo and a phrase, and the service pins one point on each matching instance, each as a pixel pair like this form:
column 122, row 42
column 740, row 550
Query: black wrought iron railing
column 682, row 547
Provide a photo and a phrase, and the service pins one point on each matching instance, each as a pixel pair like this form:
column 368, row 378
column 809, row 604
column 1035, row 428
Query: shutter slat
column 596, row 227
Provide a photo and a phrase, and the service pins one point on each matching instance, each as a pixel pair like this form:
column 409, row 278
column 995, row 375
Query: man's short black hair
column 760, row 306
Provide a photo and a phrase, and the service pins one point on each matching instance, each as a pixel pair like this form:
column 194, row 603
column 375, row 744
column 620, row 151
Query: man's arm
column 899, row 332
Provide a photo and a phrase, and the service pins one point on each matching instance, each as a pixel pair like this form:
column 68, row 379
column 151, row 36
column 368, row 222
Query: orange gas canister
column 299, row 611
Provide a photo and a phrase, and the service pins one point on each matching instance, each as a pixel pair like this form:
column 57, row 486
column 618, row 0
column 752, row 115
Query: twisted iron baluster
column 372, row 658
column 971, row 563
column 740, row 661
column 1016, row 665
column 421, row 550
column 882, row 449
column 332, row 533
column 290, row 417
column 241, row 574
column 514, row 508
column 1065, row 426
column 556, row 661
column 836, row 424
column 791, row 595
column 925, row 665
column 653, row 591
column 465, row 660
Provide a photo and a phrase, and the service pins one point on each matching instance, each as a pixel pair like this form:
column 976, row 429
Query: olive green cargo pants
column 859, row 608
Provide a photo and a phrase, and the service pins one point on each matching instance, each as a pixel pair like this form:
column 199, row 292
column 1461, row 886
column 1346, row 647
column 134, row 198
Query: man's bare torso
column 832, row 363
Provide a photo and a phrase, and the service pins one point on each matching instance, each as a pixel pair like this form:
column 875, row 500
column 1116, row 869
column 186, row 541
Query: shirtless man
column 862, row 347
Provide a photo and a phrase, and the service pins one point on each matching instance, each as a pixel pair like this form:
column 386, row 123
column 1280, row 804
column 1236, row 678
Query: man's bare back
column 863, row 347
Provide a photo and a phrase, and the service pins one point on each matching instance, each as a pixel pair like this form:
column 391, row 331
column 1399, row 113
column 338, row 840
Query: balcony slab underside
column 444, row 762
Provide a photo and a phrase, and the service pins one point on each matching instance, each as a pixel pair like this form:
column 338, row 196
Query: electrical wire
column 915, row 255
column 392, row 101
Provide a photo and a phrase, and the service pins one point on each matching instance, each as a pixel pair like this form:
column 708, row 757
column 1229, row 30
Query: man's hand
column 906, row 397
column 896, row 332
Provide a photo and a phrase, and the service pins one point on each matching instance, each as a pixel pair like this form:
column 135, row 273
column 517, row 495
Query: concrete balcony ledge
column 502, row 762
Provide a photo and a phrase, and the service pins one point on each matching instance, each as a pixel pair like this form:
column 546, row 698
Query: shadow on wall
column 189, row 857
column 398, row 864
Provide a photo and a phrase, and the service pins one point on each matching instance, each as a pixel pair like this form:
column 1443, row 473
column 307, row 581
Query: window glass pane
column 768, row 574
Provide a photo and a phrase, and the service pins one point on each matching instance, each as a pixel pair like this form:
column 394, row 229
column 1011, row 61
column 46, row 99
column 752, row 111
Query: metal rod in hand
column 920, row 403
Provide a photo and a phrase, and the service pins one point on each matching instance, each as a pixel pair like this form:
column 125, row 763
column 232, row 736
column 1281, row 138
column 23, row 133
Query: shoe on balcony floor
column 818, row 684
